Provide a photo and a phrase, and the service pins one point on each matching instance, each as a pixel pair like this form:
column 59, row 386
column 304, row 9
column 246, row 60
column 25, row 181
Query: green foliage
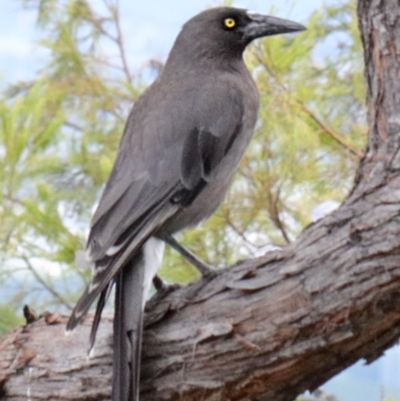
column 8, row 319
column 59, row 135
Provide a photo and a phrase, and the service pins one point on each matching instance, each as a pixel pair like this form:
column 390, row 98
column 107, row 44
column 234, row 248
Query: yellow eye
column 230, row 23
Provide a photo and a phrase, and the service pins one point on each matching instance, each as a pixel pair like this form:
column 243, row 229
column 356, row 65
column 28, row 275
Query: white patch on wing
column 114, row 249
column 96, row 269
column 153, row 252
column 92, row 287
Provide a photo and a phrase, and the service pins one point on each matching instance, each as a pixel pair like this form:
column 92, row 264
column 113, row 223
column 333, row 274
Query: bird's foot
column 161, row 287
column 158, row 283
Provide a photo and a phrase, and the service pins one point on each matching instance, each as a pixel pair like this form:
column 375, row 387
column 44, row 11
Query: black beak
column 265, row 25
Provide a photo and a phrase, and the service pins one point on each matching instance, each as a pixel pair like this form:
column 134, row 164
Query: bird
column 182, row 142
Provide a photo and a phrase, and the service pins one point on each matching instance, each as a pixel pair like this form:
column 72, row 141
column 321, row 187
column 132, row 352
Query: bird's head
column 227, row 31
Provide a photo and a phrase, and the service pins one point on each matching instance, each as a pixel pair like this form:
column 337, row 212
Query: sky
column 149, row 28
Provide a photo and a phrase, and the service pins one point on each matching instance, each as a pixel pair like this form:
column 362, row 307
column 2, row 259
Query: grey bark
column 271, row 327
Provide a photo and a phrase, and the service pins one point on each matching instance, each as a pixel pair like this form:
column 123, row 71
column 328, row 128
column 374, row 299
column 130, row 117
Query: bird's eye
column 230, row 23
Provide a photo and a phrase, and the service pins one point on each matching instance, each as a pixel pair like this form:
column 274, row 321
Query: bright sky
column 149, row 28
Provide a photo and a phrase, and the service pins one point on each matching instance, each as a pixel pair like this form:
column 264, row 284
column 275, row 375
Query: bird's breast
column 208, row 200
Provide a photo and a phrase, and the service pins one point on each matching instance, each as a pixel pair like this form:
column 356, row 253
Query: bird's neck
column 201, row 63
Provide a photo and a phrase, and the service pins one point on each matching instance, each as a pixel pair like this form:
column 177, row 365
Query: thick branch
column 270, row 327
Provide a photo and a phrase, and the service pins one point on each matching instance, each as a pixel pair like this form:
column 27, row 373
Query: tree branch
column 114, row 10
column 45, row 285
column 324, row 127
column 270, row 327
column 329, row 131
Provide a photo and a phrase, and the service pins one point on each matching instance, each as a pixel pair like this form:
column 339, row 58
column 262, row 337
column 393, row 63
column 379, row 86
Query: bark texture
column 269, row 328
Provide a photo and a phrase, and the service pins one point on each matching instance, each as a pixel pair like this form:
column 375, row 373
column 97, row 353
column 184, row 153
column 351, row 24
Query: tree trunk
column 271, row 327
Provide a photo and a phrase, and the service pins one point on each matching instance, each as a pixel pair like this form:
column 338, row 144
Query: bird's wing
column 219, row 116
column 159, row 157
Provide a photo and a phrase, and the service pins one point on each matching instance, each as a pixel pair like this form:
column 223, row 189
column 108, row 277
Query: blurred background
column 70, row 71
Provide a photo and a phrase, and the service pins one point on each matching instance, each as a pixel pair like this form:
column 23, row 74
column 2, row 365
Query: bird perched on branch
column 182, row 143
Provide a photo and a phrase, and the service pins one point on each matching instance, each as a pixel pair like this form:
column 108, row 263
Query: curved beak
column 265, row 25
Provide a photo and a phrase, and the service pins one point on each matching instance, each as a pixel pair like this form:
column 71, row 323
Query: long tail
column 128, row 325
column 132, row 286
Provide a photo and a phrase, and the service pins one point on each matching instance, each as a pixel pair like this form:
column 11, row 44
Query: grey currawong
column 182, row 143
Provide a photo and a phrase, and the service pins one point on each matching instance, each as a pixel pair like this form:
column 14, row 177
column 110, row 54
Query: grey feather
column 104, row 295
column 128, row 326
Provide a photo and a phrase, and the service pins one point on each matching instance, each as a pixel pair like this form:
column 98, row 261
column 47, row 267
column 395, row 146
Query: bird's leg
column 200, row 265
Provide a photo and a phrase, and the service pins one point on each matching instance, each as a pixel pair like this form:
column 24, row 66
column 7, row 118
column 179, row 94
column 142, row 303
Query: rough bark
column 268, row 328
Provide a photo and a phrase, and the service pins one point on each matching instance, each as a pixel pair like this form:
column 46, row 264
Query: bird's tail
column 133, row 283
column 128, row 325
